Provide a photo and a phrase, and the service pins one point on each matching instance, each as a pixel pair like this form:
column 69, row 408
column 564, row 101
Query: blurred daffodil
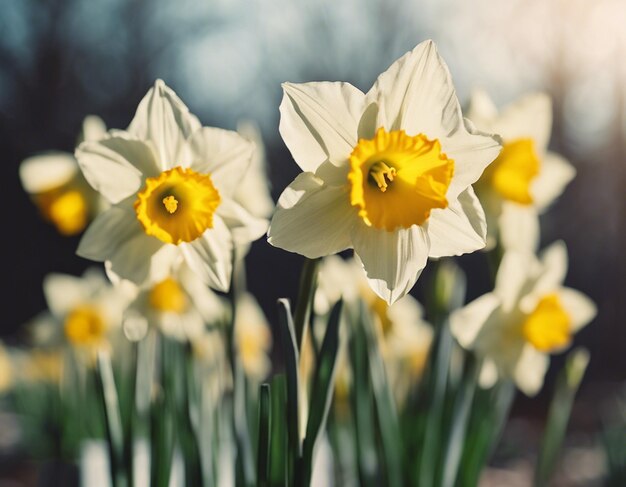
column 58, row 188
column 525, row 178
column 84, row 312
column 6, row 370
column 387, row 173
column 528, row 316
column 253, row 338
column 170, row 182
column 179, row 305
column 404, row 336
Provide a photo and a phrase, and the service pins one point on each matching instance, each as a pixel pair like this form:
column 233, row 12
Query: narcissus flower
column 84, row 312
column 179, row 305
column 253, row 338
column 58, row 188
column 387, row 173
column 528, row 316
column 170, row 182
column 525, row 178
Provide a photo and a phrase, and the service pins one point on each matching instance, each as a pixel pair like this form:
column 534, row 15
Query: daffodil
column 387, row 173
column 525, row 178
column 170, row 182
column 6, row 370
column 253, row 338
column 179, row 305
column 528, row 316
column 404, row 336
column 84, row 312
column 59, row 190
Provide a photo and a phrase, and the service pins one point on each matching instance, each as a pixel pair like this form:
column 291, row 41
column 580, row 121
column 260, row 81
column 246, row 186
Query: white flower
column 84, row 312
column 170, row 182
column 528, row 316
column 525, row 178
column 387, row 173
column 180, row 306
column 57, row 187
column 253, row 338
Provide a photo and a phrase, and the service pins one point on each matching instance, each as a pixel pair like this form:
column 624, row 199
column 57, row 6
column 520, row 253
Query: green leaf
column 278, row 474
column 321, row 392
column 567, row 385
column 113, row 420
column 292, row 360
column 264, row 444
column 385, row 404
column 308, row 284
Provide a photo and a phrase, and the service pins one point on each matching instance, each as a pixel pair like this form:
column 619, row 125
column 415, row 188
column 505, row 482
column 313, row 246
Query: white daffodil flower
column 180, row 306
column 58, row 189
column 404, row 336
column 84, row 312
column 528, row 316
column 387, row 173
column 525, row 178
column 253, row 338
column 170, row 182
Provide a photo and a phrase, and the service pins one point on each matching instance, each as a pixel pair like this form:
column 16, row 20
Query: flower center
column 178, row 205
column 513, row 171
column 168, row 296
column 65, row 208
column 170, row 203
column 84, row 325
column 548, row 327
column 396, row 179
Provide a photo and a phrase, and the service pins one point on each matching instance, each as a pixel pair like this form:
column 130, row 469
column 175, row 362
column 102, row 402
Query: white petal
column 47, row 171
column 556, row 173
column 482, row 110
column 244, row 227
column 554, row 269
column 211, row 255
column 467, row 322
column 488, row 374
column 512, row 278
column 392, row 260
column 117, row 165
column 528, row 117
column 63, row 292
column 319, row 121
column 208, row 303
column 94, row 128
column 519, row 227
column 472, row 151
column 142, row 259
column 459, row 229
column 253, row 193
column 107, row 232
column 312, row 219
column 224, row 154
column 416, row 94
column 580, row 308
column 530, row 370
column 165, row 120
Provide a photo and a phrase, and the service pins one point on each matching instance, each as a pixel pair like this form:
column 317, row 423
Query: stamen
column 379, row 173
column 170, row 203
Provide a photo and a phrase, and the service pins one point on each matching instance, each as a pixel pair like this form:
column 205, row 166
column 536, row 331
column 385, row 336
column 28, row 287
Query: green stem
column 306, row 293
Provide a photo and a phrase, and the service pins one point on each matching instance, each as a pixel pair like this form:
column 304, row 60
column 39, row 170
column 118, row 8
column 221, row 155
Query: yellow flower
column 58, row 189
column 253, row 338
column 525, row 178
column 528, row 316
column 387, row 173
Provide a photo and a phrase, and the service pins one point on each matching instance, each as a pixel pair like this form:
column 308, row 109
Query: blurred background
column 63, row 59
